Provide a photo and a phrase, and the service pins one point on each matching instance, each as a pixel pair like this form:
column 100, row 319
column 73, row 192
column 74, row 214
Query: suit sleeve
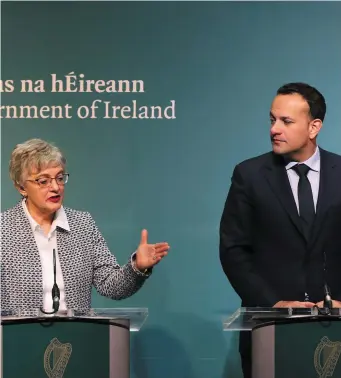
column 235, row 246
column 109, row 278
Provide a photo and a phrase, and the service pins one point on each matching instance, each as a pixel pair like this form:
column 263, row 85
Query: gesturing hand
column 148, row 255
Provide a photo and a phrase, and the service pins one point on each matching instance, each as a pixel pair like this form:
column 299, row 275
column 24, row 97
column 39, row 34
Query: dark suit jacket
column 262, row 249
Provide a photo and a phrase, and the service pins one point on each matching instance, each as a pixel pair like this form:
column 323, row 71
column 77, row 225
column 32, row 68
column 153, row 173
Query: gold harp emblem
column 326, row 357
column 55, row 366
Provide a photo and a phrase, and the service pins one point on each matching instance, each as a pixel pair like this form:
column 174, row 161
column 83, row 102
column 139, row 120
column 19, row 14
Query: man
column 280, row 238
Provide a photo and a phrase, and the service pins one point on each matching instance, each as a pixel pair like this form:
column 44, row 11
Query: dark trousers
column 245, row 350
column 246, row 366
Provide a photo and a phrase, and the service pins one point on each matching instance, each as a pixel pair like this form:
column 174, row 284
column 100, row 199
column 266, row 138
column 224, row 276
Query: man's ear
column 315, row 127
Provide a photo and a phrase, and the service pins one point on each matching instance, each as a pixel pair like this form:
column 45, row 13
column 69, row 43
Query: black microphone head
column 55, row 304
column 55, row 291
column 328, row 302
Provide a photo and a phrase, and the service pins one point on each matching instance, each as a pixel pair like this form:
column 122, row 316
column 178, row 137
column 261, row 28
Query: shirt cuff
column 145, row 273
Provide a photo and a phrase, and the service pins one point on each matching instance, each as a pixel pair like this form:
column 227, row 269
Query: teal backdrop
column 222, row 63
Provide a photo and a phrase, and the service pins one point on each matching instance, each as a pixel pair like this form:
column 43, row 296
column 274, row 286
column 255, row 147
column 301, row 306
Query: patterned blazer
column 84, row 258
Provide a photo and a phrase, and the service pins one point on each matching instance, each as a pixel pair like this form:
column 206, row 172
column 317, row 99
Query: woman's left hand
column 148, row 255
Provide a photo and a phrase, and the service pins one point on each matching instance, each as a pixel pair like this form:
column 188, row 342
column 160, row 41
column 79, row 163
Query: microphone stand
column 327, row 301
column 55, row 290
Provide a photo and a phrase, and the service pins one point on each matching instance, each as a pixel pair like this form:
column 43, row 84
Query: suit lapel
column 276, row 175
column 32, row 281
column 277, row 178
column 327, row 192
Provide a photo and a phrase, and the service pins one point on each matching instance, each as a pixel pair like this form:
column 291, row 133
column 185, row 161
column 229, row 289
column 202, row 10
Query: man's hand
column 293, row 304
column 336, row 304
column 148, row 255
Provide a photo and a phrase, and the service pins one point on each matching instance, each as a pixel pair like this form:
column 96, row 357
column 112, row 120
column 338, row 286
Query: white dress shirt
column 313, row 176
column 46, row 244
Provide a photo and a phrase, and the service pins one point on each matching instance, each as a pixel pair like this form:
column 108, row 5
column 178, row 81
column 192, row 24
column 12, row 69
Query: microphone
column 55, row 290
column 327, row 303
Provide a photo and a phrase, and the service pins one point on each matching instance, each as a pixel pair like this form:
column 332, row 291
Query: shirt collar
column 313, row 162
column 60, row 219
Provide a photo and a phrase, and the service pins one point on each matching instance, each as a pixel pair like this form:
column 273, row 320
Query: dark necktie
column 305, row 199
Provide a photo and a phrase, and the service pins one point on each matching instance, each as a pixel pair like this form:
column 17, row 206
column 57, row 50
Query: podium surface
column 71, row 344
column 295, row 342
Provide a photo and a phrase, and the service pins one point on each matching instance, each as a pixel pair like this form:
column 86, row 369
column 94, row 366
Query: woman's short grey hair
column 34, row 154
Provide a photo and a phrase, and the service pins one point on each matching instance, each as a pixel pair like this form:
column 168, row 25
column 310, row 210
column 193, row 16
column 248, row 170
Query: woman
column 42, row 240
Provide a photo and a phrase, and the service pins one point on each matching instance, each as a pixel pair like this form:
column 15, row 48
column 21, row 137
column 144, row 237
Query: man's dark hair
column 313, row 97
